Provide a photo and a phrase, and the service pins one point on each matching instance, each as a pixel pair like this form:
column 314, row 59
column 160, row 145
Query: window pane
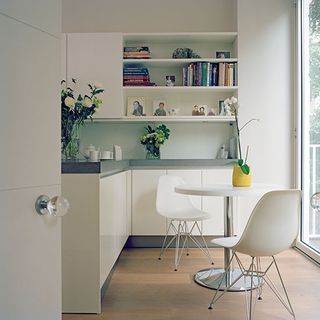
column 311, row 119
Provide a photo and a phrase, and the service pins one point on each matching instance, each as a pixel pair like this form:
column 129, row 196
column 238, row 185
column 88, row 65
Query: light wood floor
column 143, row 287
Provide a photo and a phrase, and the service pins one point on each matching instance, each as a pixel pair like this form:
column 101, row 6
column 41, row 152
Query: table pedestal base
column 211, row 278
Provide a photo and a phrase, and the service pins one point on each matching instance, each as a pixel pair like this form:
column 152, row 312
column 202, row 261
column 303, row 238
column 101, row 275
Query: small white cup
column 94, row 155
column 106, row 154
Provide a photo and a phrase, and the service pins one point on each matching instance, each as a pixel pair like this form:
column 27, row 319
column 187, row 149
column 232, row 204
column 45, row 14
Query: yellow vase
column 239, row 179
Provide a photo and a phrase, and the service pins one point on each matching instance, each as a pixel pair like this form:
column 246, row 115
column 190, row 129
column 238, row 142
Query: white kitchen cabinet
column 113, row 221
column 93, row 234
column 145, row 219
column 215, row 205
column 97, row 57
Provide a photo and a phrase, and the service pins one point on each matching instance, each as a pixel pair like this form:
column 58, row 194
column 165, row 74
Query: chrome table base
column 211, row 278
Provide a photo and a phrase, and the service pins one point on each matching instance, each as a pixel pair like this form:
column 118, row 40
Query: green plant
column 231, row 104
column 154, row 138
column 73, row 113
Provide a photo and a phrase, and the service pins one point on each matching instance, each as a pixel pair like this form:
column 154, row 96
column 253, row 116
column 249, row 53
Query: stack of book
column 136, row 53
column 136, row 76
column 209, row 74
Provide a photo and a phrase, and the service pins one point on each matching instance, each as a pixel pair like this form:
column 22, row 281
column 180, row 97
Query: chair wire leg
column 268, row 281
column 187, row 235
column 164, row 248
column 216, row 297
column 249, row 273
column 205, row 244
column 176, row 260
column 251, row 304
column 260, row 282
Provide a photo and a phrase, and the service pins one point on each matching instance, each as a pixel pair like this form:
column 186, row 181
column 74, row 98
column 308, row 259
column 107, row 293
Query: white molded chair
column 271, row 229
column 179, row 209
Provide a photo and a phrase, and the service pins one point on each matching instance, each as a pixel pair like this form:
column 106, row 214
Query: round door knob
column 315, row 201
column 56, row 206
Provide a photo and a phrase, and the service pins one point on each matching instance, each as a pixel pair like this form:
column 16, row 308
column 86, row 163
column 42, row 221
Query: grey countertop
column 110, row 167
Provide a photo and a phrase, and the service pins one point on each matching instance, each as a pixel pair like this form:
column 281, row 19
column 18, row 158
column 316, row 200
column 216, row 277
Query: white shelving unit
column 107, row 68
column 161, row 63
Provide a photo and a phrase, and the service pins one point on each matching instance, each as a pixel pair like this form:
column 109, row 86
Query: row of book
column 209, row 74
column 136, row 53
column 136, row 76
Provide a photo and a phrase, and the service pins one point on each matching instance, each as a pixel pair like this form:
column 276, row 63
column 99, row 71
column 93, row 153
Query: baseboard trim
column 156, row 241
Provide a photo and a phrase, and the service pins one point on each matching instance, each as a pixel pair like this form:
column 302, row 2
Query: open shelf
column 178, row 89
column 173, row 62
column 180, row 37
column 169, row 119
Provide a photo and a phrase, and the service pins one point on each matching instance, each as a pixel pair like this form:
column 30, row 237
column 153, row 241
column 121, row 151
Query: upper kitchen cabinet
column 97, row 58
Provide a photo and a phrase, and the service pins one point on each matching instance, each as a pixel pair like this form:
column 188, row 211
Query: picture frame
column 203, row 109
column 170, row 81
column 136, row 107
column 223, row 54
column 160, row 108
column 221, row 108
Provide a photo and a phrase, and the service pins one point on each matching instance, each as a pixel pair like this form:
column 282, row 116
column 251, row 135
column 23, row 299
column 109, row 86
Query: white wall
column 148, row 15
column 265, row 64
column 265, row 46
column 266, row 72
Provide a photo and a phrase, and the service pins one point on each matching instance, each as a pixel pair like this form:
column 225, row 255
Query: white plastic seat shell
column 176, row 206
column 272, row 227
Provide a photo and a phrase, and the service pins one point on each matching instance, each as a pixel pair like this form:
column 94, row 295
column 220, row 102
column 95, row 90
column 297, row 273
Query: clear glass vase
column 152, row 152
column 70, row 144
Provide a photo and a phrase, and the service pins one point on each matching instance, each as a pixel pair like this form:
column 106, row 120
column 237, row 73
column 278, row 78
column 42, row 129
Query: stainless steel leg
column 211, row 278
column 228, row 232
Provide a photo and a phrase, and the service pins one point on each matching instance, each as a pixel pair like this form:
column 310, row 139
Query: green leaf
column 240, row 162
column 245, row 169
column 97, row 91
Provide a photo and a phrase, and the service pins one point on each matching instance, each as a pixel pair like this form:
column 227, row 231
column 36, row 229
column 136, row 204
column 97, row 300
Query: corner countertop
column 109, row 167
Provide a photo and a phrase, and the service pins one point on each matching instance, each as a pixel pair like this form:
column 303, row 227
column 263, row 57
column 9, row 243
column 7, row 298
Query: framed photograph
column 221, row 107
column 203, row 109
column 136, row 107
column 170, row 81
column 159, row 108
column 223, row 54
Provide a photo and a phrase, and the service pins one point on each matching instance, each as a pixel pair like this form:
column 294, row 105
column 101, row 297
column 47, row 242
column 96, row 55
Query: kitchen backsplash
column 187, row 140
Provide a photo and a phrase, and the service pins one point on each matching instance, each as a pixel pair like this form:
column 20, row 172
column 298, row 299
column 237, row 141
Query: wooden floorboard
column 143, row 287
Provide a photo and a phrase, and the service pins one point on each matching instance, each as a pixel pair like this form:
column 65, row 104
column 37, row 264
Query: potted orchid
column 241, row 176
column 73, row 113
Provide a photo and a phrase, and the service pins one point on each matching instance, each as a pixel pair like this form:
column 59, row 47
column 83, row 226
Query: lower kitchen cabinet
column 145, row 219
column 93, row 234
column 113, row 221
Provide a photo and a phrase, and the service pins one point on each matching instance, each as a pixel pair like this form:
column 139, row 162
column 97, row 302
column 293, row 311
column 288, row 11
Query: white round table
column 211, row 277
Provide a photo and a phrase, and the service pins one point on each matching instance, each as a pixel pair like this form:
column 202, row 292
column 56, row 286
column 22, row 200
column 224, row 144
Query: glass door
column 309, row 45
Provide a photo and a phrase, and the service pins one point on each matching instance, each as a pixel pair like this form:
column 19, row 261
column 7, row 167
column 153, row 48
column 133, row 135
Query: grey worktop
column 110, row 167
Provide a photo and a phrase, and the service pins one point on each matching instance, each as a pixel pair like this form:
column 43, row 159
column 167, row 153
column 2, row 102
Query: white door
column 30, row 263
